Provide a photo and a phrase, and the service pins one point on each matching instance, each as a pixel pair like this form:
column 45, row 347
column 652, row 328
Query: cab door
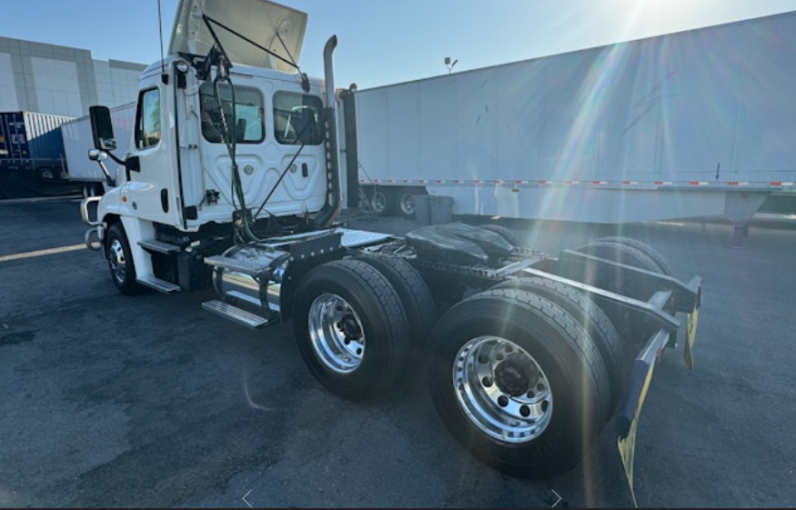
column 153, row 188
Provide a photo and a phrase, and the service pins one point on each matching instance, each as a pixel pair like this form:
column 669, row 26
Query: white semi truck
column 704, row 119
column 232, row 180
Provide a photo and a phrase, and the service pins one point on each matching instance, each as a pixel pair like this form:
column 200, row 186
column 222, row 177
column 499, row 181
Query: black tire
column 563, row 350
column 592, row 318
column 382, row 319
column 662, row 266
column 120, row 260
column 621, row 253
column 405, row 201
column 413, row 292
column 632, row 332
column 46, row 173
column 506, row 233
column 381, row 202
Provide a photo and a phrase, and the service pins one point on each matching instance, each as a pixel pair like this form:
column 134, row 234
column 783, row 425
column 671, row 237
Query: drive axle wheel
column 336, row 333
column 592, row 318
column 506, row 233
column 351, row 328
column 502, row 389
column 518, row 382
column 660, row 263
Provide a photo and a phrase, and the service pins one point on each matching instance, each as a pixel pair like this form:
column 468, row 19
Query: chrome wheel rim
column 502, row 389
column 407, row 204
column 117, row 261
column 337, row 335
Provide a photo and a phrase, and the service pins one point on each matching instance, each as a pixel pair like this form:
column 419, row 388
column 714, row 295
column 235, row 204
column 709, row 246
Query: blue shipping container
column 30, row 136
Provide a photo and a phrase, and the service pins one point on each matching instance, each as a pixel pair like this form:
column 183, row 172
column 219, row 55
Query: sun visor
column 257, row 20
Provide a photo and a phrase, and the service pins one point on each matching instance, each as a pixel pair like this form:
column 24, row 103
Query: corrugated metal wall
column 61, row 81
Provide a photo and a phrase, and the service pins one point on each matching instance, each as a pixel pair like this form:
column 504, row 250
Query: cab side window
column 249, row 108
column 297, row 119
column 147, row 133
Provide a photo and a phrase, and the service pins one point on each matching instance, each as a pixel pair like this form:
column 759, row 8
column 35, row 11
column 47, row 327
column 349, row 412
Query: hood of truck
column 258, row 20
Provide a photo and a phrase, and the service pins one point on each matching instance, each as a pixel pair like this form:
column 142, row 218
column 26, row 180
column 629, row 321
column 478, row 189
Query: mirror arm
column 115, row 158
column 110, row 180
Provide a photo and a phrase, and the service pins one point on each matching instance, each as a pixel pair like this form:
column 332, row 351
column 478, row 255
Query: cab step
column 235, row 314
column 160, row 247
column 159, row 285
column 240, row 266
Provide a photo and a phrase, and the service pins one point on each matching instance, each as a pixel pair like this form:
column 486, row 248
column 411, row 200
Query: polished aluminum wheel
column 502, row 389
column 337, row 335
column 117, row 261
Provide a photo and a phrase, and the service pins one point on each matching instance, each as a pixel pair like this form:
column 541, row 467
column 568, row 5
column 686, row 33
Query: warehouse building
column 60, row 80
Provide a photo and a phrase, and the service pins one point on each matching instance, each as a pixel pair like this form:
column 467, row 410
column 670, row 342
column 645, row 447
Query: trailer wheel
column 46, row 173
column 592, row 318
column 381, row 202
column 351, row 328
column 506, row 233
column 120, row 260
column 518, row 382
column 406, row 202
column 662, row 266
column 413, row 292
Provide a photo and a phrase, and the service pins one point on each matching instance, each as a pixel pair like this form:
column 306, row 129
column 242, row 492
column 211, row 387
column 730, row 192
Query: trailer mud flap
column 630, row 409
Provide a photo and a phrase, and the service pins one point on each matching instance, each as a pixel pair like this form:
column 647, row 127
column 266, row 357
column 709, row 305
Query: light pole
column 450, row 65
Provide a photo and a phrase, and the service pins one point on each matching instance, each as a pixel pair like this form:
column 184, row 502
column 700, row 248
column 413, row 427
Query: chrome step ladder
column 159, row 247
column 159, row 285
column 236, row 315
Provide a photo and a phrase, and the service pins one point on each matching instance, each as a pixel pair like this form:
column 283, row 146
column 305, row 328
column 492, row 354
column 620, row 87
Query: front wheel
column 120, row 260
column 518, row 382
column 351, row 328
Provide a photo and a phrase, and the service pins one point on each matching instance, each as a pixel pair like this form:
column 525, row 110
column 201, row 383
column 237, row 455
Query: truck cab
column 180, row 171
column 179, row 166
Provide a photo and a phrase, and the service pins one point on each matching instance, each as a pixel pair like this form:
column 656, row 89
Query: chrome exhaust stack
column 332, row 205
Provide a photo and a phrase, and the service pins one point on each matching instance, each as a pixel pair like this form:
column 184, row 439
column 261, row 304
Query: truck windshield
column 249, row 107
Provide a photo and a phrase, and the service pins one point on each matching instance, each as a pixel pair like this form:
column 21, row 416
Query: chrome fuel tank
column 246, row 288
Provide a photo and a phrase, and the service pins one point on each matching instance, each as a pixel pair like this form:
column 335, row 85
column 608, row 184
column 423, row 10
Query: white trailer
column 691, row 124
column 77, row 139
column 232, row 181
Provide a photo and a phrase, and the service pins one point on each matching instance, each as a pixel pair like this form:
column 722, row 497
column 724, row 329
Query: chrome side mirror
column 97, row 155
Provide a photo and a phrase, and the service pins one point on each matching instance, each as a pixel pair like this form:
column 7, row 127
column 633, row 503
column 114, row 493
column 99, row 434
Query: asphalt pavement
column 110, row 400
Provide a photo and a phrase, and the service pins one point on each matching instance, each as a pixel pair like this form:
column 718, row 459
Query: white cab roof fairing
column 258, row 20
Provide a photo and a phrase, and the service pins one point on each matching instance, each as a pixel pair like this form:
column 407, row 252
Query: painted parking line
column 42, row 253
column 36, row 200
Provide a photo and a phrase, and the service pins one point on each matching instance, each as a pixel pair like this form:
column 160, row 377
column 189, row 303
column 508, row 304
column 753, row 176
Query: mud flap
column 691, row 329
column 630, row 409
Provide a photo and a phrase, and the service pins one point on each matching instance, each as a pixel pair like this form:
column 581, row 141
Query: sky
column 383, row 42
